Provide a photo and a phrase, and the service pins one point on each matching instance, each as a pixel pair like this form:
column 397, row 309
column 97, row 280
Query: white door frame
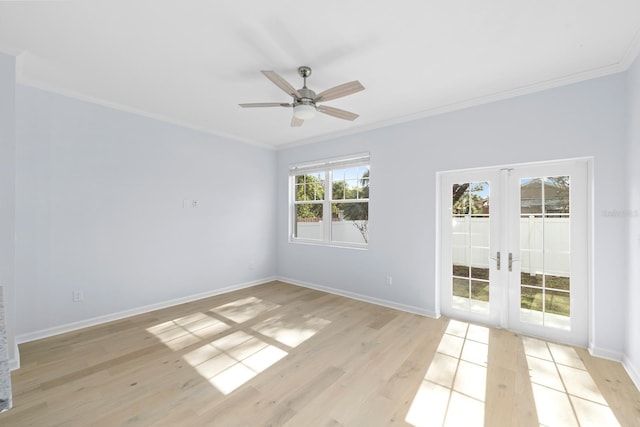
column 503, row 319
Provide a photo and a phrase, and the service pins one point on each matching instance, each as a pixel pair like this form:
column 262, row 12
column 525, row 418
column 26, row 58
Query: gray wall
column 99, row 208
column 8, row 194
column 585, row 119
column 98, row 202
column 633, row 322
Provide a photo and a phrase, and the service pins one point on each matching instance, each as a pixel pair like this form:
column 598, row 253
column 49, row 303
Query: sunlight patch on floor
column 244, row 309
column 188, row 330
column 230, row 361
column 291, row 331
column 564, row 391
column 233, row 360
column 453, row 390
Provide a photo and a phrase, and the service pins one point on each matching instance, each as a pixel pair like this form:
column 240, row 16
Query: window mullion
column 326, row 208
column 292, row 209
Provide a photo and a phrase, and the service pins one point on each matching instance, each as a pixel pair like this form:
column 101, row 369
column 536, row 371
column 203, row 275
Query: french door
column 514, row 248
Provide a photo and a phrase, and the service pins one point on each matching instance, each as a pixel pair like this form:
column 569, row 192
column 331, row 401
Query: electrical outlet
column 78, row 296
column 389, row 280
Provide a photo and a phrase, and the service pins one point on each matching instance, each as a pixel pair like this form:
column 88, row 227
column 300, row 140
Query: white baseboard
column 15, row 362
column 360, row 297
column 603, row 353
column 632, row 371
column 69, row 327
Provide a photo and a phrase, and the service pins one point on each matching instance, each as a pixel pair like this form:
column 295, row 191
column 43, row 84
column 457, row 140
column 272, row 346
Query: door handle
column 497, row 260
column 511, row 261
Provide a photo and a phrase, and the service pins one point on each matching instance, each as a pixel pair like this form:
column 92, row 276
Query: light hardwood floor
column 278, row 354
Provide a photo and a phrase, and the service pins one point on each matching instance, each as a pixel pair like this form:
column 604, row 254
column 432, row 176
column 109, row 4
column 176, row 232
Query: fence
column 544, row 244
column 341, row 231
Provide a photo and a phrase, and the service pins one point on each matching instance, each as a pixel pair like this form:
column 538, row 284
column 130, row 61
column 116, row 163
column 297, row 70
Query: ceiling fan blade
column 265, row 104
column 339, row 91
column 296, row 122
column 336, row 112
column 282, row 83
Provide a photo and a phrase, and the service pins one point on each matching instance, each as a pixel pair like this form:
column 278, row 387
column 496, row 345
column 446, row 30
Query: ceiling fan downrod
column 304, row 72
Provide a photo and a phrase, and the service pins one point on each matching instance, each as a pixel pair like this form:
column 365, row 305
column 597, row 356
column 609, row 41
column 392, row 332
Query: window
column 330, row 201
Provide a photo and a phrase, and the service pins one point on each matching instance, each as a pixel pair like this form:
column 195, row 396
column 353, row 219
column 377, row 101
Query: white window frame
column 327, row 166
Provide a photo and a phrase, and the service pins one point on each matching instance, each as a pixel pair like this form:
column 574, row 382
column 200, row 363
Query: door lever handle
column 510, row 261
column 497, row 260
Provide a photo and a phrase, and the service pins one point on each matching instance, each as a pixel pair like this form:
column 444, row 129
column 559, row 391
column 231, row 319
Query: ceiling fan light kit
column 304, row 111
column 305, row 101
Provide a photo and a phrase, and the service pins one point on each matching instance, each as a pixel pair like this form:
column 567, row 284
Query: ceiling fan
column 305, row 101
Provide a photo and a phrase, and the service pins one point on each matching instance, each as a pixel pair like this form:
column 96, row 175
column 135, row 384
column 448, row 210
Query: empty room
column 360, row 213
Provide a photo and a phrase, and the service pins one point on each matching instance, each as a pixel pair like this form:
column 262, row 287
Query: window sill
column 359, row 247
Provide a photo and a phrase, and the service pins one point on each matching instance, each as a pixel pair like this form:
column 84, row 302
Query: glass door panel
column 549, row 256
column 470, row 274
column 514, row 249
column 470, row 252
column 545, row 248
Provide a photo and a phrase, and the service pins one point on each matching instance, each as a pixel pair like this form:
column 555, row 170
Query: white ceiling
column 191, row 62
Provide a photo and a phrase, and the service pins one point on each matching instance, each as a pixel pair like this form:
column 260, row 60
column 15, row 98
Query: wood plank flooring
column 282, row 355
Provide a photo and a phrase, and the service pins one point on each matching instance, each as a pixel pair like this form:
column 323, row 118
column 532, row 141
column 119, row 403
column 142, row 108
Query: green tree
column 339, row 191
column 465, row 196
column 358, row 213
column 557, row 194
column 309, row 188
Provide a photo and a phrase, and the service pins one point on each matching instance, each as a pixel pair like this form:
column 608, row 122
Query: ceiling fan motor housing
column 307, row 96
column 304, row 108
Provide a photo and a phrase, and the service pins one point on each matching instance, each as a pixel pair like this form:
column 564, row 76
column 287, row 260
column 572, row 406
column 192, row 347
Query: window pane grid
column 545, row 289
column 470, row 215
column 310, row 187
column 308, row 202
column 351, row 183
column 349, row 205
column 342, row 194
column 350, row 200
